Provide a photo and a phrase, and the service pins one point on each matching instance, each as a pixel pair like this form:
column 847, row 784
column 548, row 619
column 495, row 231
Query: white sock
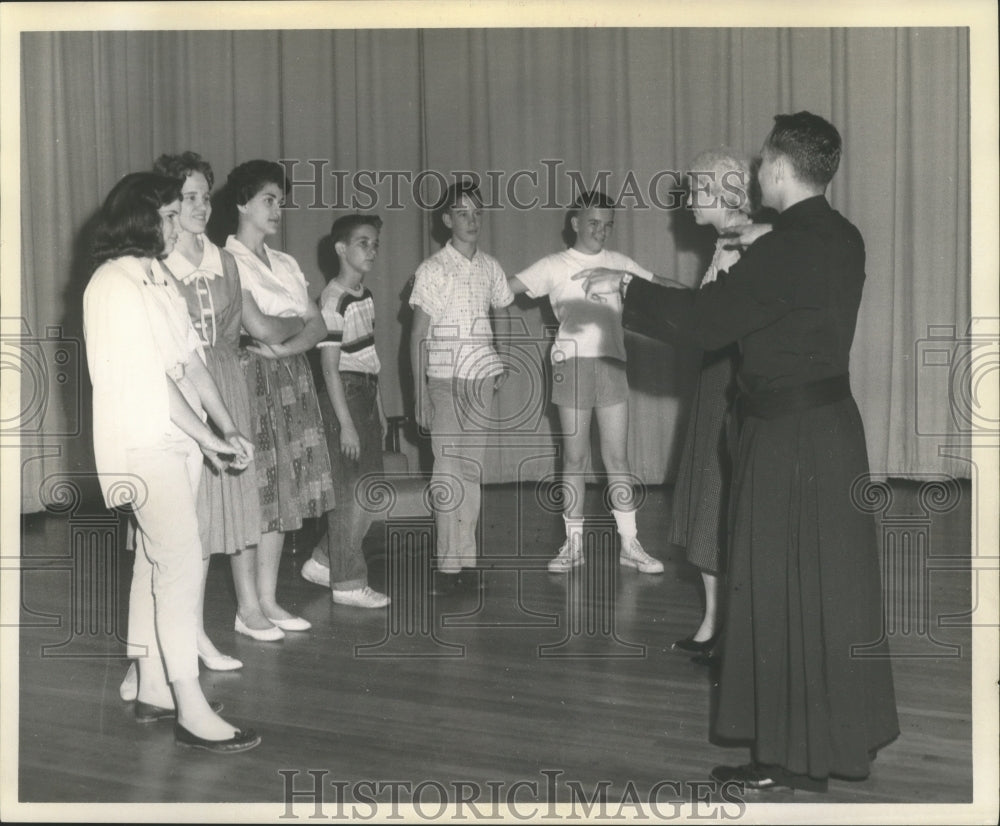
column 574, row 530
column 626, row 525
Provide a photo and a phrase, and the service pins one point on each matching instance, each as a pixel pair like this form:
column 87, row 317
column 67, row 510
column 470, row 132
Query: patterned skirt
column 294, row 479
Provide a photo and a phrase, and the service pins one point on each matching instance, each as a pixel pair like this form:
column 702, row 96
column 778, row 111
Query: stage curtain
column 632, row 104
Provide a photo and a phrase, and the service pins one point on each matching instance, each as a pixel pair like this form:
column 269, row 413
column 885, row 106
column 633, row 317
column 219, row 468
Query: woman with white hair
column 719, row 187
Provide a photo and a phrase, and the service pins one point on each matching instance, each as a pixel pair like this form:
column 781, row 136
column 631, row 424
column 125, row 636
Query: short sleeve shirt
column 457, row 293
column 350, row 324
column 587, row 329
column 280, row 290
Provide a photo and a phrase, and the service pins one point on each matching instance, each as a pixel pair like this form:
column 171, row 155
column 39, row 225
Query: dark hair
column 810, row 143
column 343, row 228
column 180, row 166
column 130, row 223
column 251, row 177
column 454, row 193
column 595, row 199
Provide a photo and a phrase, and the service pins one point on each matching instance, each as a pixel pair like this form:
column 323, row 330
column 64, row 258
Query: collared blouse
column 280, row 290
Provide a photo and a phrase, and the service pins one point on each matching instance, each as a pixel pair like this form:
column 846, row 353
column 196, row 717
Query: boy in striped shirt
column 351, row 406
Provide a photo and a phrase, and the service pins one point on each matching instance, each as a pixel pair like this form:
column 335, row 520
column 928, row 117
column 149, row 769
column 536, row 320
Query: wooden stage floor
column 564, row 682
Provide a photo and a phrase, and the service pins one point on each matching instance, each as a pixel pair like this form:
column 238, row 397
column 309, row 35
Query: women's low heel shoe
column 689, row 645
column 291, row 624
column 148, row 713
column 264, row 635
column 220, row 662
column 241, row 741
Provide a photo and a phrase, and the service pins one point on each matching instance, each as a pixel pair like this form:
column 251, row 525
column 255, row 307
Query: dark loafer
column 691, row 647
column 751, row 776
column 241, row 741
column 471, row 581
column 443, row 584
column 148, row 713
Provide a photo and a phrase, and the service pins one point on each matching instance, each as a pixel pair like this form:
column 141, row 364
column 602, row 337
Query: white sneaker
column 633, row 556
column 316, row 573
column 570, row 556
column 360, row 597
column 129, row 689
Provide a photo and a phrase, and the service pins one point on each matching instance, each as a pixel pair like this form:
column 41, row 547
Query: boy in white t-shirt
column 588, row 372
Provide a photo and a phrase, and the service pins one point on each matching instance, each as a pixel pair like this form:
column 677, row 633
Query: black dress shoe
column 148, row 713
column 241, row 741
column 444, row 584
column 752, row 777
column 690, row 646
column 471, row 580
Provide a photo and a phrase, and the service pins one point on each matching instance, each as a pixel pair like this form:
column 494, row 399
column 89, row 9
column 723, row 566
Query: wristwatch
column 623, row 284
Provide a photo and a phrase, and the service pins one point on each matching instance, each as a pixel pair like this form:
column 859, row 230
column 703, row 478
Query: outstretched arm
column 516, row 285
column 767, row 283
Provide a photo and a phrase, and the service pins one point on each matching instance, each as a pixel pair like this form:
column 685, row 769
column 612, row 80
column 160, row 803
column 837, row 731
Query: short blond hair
column 730, row 177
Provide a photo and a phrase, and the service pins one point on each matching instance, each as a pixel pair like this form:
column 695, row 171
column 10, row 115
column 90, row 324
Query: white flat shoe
column 264, row 635
column 293, row 624
column 220, row 662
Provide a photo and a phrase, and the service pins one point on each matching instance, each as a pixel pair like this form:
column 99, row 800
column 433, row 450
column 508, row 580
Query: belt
column 360, row 376
column 770, row 404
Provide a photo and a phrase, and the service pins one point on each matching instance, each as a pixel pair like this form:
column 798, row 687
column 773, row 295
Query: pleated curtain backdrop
column 524, row 109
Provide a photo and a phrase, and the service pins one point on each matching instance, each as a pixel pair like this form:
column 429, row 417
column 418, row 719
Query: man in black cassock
column 805, row 674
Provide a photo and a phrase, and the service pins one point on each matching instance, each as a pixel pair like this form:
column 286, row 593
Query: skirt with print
column 294, row 479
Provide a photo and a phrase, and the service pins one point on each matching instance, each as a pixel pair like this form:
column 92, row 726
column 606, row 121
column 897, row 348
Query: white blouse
column 280, row 290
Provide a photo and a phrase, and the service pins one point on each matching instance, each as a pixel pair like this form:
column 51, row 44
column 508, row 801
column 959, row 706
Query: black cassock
column 805, row 670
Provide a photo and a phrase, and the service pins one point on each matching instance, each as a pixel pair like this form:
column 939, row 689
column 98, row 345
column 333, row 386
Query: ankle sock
column 574, row 530
column 625, row 520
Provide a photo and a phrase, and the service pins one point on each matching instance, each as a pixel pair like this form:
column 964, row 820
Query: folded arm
column 268, row 329
column 313, row 332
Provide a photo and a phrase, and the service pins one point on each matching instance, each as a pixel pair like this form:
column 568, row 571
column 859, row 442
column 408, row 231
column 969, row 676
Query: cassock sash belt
column 770, row 404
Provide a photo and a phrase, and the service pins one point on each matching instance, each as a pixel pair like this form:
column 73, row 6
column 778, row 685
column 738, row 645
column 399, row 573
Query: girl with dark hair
column 293, row 466
column 150, row 388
